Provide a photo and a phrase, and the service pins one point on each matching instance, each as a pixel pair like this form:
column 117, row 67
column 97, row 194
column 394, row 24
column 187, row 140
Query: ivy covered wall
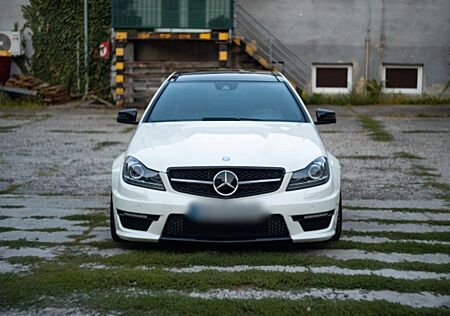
column 57, row 28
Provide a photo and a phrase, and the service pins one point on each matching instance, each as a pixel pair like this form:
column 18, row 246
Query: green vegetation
column 405, row 155
column 130, row 129
column 6, row 229
column 8, row 129
column 93, row 219
column 102, row 145
column 376, row 97
column 406, row 221
column 376, row 129
column 435, row 236
column 421, row 171
column 398, row 209
column 41, row 217
column 363, row 157
column 165, row 303
column 23, row 103
column 69, row 131
column 424, row 132
column 11, row 206
column 57, row 28
column 11, row 189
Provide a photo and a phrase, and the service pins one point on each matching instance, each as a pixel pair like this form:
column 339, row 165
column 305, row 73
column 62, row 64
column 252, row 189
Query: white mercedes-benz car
column 226, row 156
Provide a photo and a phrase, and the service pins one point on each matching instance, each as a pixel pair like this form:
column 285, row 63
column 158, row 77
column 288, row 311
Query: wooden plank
column 16, row 90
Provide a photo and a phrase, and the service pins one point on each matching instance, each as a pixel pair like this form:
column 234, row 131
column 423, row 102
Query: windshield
column 226, row 100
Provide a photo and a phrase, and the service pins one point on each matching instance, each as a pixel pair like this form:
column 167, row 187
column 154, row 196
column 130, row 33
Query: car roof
column 227, row 75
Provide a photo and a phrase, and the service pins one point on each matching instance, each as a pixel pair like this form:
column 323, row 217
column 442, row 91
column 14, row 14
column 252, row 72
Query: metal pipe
column 86, row 50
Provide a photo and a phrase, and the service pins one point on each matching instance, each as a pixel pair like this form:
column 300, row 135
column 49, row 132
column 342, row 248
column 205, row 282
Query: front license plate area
column 225, row 213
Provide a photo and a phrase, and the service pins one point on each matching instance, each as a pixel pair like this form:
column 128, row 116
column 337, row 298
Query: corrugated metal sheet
column 188, row 14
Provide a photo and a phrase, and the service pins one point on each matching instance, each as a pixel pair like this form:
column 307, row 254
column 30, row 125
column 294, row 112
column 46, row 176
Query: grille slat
column 181, row 227
column 243, row 174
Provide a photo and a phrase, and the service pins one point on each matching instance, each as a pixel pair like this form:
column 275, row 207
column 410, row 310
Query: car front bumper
column 289, row 204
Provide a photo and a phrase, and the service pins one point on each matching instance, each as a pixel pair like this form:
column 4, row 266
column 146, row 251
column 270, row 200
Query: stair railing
column 279, row 56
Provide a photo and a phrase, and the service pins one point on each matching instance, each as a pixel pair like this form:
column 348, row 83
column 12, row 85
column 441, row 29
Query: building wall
column 330, row 31
column 11, row 13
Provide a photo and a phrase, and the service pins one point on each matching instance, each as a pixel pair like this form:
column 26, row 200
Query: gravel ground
column 54, row 199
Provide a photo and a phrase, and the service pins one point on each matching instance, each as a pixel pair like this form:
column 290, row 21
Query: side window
column 402, row 78
column 331, row 78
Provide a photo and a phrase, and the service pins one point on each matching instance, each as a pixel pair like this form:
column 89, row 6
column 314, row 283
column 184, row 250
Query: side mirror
column 127, row 116
column 325, row 117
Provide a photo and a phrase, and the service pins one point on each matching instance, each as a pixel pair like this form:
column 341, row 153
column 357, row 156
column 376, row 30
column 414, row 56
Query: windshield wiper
column 221, row 119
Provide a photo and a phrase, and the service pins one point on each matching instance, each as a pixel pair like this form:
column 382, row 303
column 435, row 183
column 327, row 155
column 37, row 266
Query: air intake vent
column 181, row 227
column 136, row 221
column 314, row 221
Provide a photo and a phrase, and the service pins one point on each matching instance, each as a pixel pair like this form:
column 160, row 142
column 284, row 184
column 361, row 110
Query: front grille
column 314, row 221
column 181, row 227
column 136, row 221
column 243, row 173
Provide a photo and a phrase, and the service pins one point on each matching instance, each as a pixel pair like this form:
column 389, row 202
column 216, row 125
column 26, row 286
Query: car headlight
column 135, row 173
column 316, row 173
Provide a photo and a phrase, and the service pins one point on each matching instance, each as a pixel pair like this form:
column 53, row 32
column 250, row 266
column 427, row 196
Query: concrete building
column 372, row 38
column 323, row 46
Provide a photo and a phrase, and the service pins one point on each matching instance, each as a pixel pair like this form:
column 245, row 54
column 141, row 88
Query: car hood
column 291, row 146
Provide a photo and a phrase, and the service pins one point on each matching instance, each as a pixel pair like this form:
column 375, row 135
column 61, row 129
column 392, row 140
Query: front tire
column 112, row 222
column 338, row 232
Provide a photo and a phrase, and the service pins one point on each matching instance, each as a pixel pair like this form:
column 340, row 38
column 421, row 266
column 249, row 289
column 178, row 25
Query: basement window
column 402, row 78
column 331, row 78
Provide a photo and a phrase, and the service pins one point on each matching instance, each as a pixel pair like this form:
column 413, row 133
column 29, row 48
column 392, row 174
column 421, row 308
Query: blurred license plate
column 225, row 212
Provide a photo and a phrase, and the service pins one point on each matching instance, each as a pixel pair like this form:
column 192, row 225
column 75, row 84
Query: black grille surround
column 208, row 173
column 136, row 221
column 313, row 222
column 180, row 227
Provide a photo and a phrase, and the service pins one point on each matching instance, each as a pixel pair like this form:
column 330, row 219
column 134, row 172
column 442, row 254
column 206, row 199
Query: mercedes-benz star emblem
column 225, row 183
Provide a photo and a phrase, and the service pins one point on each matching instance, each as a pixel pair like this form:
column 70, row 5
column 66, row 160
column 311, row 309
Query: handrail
column 268, row 46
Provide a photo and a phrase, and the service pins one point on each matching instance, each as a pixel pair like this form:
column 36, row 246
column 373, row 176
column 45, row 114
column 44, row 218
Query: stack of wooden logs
column 55, row 94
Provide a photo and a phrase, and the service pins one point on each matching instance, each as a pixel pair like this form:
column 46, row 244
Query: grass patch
column 69, row 131
column 53, row 279
column 397, row 221
column 40, row 217
column 4, row 217
column 363, row 157
column 405, row 155
column 426, row 115
column 421, row 171
column 93, row 219
column 374, row 95
column 389, row 247
column 19, row 243
column 184, row 255
column 25, row 260
column 398, row 209
column 424, row 132
column 375, row 128
column 47, row 230
column 128, row 130
column 11, row 206
column 11, row 189
column 6, row 229
column 104, row 302
column 22, row 103
column 434, row 236
column 8, row 129
column 102, row 145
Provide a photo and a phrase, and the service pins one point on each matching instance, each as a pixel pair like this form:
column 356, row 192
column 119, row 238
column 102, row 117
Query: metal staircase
column 265, row 48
